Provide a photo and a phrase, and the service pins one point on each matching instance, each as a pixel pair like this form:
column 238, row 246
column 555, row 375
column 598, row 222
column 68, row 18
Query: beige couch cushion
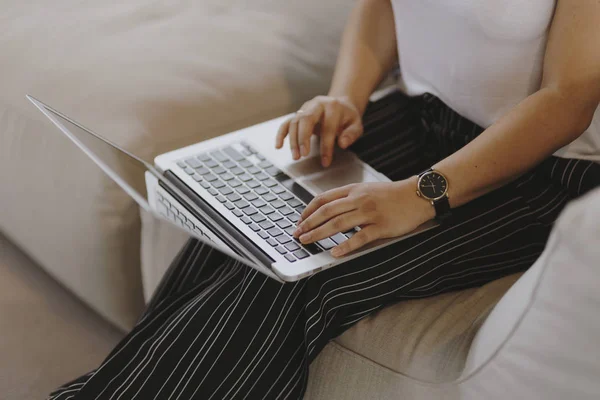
column 152, row 76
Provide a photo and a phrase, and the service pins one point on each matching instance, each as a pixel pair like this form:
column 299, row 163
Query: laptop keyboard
column 261, row 196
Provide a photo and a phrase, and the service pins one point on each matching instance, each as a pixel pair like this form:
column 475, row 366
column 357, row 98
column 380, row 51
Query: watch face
column 433, row 185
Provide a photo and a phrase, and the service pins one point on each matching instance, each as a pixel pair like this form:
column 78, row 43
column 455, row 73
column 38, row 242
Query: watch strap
column 442, row 209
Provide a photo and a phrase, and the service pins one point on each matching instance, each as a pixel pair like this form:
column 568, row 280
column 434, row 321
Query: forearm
column 367, row 53
column 532, row 131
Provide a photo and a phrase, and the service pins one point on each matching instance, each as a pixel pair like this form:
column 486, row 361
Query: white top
column 480, row 57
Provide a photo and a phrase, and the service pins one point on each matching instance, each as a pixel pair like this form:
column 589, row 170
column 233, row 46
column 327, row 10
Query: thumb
column 350, row 134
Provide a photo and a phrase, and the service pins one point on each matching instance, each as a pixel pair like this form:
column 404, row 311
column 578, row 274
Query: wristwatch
column 433, row 186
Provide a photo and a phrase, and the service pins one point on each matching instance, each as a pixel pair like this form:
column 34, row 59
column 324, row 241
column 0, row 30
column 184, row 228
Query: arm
column 367, row 54
column 559, row 112
column 552, row 117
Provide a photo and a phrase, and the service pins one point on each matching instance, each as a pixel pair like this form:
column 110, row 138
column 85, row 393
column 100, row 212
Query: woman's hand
column 334, row 119
column 382, row 210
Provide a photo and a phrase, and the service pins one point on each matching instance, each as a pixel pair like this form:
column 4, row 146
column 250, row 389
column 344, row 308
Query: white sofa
column 154, row 76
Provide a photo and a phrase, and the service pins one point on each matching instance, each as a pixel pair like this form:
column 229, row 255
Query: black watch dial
column 433, row 185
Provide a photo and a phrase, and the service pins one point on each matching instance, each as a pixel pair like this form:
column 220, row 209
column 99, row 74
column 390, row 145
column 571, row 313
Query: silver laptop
column 234, row 192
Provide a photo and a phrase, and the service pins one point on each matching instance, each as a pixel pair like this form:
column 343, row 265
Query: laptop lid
column 131, row 174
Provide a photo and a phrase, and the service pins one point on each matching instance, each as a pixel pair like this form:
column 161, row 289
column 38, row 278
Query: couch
column 154, row 76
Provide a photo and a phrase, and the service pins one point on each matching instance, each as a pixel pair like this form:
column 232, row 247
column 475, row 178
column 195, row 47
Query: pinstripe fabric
column 218, row 330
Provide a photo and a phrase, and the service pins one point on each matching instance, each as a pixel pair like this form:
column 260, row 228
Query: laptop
column 235, row 192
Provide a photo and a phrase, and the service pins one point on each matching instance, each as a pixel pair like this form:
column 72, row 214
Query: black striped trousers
column 219, row 330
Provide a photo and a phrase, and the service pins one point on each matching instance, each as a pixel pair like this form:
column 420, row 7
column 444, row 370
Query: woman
column 526, row 71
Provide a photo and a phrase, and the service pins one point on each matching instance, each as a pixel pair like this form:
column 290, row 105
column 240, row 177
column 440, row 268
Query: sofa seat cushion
column 426, row 339
column 151, row 76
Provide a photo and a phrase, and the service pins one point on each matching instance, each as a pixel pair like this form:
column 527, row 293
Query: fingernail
column 295, row 154
column 325, row 161
column 303, row 150
column 344, row 141
column 304, row 238
column 336, row 252
column 297, row 232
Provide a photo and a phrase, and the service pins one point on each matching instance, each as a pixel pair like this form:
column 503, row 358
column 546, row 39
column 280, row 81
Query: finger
column 361, row 238
column 350, row 134
column 331, row 123
column 282, row 133
column 324, row 214
column 340, row 223
column 293, row 139
column 323, row 199
column 306, row 126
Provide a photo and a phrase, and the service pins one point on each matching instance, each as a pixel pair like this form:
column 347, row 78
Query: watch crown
column 418, row 193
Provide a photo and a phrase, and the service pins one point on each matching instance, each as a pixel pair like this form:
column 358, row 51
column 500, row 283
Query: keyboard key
column 292, row 246
column 300, row 254
column 312, row 248
column 241, row 204
column 275, row 217
column 286, row 210
column 294, row 217
column 245, row 178
column 229, row 164
column 284, row 223
column 254, row 170
column 233, row 197
column 237, row 171
column 250, row 211
column 181, row 164
column 290, row 230
column 283, row 239
column 246, row 220
column 246, row 152
column 231, row 152
column 350, row 233
column 274, row 232
column 269, row 197
column 237, row 213
column 290, row 258
column 234, row 183
column 213, row 191
column 272, row 242
column 261, row 190
column 277, row 203
column 326, row 243
column 281, row 250
column 189, row 171
column 270, row 183
column 229, row 206
column 250, row 196
column 258, row 203
column 197, row 178
column 300, row 209
column 246, row 163
column 261, row 176
column 219, row 156
column 219, row 170
column 260, row 157
column 227, row 176
column 218, row 184
column 203, row 157
column 221, row 199
column 286, row 196
column 254, row 227
column 258, row 218
column 210, row 178
column 294, row 203
column 242, row 190
column 253, row 184
column 193, row 162
column 272, row 171
column 202, row 171
column 205, row 184
column 278, row 189
column 263, row 235
column 267, row 210
column 339, row 238
column 265, row 164
column 226, row 190
column 266, row 225
column 211, row 163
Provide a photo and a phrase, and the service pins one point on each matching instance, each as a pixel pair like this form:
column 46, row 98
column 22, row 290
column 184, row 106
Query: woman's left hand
column 381, row 209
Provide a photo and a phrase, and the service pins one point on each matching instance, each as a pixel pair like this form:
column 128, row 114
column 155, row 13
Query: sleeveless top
column 480, row 57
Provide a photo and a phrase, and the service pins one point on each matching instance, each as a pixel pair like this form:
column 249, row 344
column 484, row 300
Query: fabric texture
column 152, row 77
column 481, row 59
column 217, row 329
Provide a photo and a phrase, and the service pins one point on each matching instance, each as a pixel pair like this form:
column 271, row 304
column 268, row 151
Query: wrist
column 357, row 101
column 424, row 208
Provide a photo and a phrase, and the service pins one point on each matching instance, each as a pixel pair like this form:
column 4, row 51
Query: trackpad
column 345, row 170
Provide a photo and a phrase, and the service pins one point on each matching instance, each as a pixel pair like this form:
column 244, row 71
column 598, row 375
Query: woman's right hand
column 334, row 119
